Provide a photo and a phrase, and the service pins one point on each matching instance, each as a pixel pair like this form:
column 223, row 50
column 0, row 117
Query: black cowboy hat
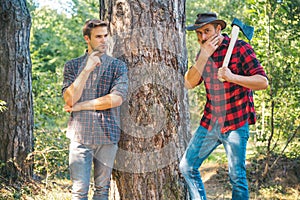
column 206, row 18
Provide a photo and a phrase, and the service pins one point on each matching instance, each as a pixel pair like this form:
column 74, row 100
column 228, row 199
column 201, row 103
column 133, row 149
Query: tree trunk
column 150, row 37
column 16, row 123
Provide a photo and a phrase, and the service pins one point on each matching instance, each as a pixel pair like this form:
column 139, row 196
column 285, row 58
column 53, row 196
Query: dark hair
column 216, row 24
column 90, row 24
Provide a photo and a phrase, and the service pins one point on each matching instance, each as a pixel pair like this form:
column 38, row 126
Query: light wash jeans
column 81, row 158
column 202, row 145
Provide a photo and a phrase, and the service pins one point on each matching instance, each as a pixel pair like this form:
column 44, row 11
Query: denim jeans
column 81, row 158
column 202, row 144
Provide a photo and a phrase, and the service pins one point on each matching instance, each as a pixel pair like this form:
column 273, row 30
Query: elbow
column 69, row 97
column 188, row 85
column 117, row 101
column 262, row 83
column 69, row 103
column 68, row 100
column 265, row 83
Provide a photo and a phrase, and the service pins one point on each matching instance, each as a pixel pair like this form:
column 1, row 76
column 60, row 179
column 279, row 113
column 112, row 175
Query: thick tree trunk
column 150, row 37
column 16, row 123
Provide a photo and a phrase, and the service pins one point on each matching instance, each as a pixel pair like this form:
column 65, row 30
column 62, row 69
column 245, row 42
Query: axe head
column 248, row 31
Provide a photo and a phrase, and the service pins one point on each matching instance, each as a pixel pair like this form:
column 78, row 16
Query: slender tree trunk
column 269, row 151
column 16, row 123
column 150, row 37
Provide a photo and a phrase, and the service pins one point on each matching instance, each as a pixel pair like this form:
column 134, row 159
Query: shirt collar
column 225, row 41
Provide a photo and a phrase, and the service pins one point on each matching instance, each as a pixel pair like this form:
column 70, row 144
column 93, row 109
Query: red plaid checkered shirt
column 101, row 126
column 229, row 104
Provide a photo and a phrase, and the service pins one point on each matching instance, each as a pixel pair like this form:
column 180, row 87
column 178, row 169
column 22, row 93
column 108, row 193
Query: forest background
column 273, row 152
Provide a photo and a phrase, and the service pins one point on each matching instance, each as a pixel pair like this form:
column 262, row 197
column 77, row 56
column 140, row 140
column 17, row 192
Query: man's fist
column 93, row 61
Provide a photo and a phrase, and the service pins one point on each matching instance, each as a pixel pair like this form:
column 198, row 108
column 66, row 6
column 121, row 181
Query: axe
column 237, row 25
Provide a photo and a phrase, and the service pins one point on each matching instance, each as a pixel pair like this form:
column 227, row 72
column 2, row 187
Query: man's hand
column 74, row 91
column 93, row 61
column 67, row 108
column 75, row 107
column 209, row 46
column 225, row 74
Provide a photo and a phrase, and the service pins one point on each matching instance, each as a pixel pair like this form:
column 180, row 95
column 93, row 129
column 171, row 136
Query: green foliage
column 278, row 46
column 2, row 106
column 51, row 154
column 55, row 38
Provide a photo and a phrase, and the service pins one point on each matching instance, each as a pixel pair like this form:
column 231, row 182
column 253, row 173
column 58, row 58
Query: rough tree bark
column 149, row 35
column 16, row 123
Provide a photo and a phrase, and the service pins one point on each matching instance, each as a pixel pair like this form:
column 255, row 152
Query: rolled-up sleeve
column 120, row 82
column 69, row 76
column 251, row 65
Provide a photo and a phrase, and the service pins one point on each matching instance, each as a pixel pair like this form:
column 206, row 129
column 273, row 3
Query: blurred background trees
column 56, row 37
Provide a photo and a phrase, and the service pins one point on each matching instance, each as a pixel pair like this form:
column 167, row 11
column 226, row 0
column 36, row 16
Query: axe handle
column 234, row 36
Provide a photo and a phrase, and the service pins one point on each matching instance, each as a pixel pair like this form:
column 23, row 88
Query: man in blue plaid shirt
column 94, row 87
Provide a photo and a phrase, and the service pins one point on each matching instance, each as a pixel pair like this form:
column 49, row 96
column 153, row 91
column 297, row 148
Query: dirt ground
column 283, row 183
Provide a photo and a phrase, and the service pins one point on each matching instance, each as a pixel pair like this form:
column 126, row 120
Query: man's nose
column 103, row 39
column 203, row 37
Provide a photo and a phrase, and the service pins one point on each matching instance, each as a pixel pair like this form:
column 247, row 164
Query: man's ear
column 86, row 38
column 218, row 29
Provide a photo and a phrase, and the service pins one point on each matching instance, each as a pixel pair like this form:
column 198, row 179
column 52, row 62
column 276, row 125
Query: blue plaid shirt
column 100, row 126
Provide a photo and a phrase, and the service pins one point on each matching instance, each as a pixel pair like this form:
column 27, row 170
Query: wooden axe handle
column 234, row 35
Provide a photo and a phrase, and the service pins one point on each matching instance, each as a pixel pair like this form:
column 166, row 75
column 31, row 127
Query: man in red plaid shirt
column 229, row 107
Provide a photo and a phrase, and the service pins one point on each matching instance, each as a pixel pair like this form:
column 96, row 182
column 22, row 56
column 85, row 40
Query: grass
column 282, row 183
column 58, row 189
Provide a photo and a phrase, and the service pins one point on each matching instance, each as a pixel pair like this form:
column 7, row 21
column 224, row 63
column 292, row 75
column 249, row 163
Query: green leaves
column 55, row 38
column 2, row 106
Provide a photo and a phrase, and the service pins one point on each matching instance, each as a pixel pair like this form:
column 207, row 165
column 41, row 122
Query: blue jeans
column 81, row 158
column 202, row 144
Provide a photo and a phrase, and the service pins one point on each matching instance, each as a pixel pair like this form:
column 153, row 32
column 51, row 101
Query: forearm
column 102, row 103
column 74, row 91
column 194, row 74
column 255, row 82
